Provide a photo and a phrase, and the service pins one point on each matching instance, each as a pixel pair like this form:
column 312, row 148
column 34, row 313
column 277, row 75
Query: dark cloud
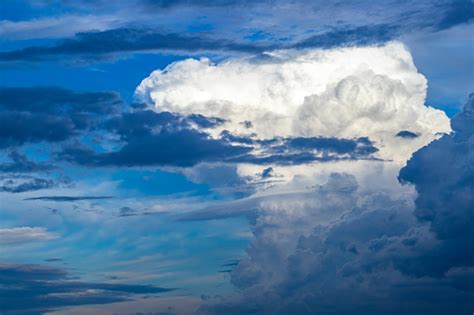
column 14, row 180
column 56, row 100
column 456, row 12
column 268, row 172
column 69, row 198
column 24, row 184
column 205, row 3
column 182, row 148
column 141, row 35
column 18, row 128
column 98, row 45
column 157, row 139
column 50, row 114
column 165, row 139
column 407, row 134
column 95, row 46
column 205, row 122
column 301, row 150
column 35, row 289
column 20, row 164
column 130, row 212
column 358, row 36
column 443, row 175
column 138, row 123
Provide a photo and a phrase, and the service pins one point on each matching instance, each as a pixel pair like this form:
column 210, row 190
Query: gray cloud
column 36, row 289
column 407, row 134
column 50, row 114
column 20, row 164
column 19, row 184
column 19, row 235
column 68, row 198
column 164, row 139
column 99, row 45
column 338, row 250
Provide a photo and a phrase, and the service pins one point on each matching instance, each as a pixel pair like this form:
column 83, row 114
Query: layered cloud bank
column 346, row 92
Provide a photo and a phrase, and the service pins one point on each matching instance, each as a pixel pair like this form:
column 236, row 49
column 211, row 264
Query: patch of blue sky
column 121, row 75
column 143, row 182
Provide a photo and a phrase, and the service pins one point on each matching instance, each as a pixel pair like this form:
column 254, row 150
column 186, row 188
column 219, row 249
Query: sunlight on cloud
column 372, row 91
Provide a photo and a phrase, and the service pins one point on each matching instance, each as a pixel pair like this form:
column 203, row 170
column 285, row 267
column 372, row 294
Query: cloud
column 165, row 139
column 407, row 134
column 14, row 177
column 139, row 137
column 444, row 179
column 457, row 12
column 182, row 148
column 303, row 150
column 54, row 27
column 98, row 45
column 356, row 36
column 50, row 114
column 69, row 198
column 38, row 289
column 20, row 164
column 376, row 92
column 51, row 99
column 340, row 248
column 19, row 235
column 20, row 184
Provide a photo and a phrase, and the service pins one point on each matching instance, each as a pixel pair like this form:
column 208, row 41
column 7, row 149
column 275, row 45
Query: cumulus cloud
column 375, row 91
column 19, row 235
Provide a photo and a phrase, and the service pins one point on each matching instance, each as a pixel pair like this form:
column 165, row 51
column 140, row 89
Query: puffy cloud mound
column 338, row 249
column 443, row 174
column 376, row 91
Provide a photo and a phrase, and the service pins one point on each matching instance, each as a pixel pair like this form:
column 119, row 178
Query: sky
column 236, row 157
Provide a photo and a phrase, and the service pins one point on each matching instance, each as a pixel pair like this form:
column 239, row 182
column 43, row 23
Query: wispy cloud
column 19, row 235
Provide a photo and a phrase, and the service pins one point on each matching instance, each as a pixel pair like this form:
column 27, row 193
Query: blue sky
column 236, row 157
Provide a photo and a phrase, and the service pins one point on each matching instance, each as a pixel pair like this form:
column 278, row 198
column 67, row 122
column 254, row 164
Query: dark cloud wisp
column 35, row 289
column 69, row 198
column 98, row 45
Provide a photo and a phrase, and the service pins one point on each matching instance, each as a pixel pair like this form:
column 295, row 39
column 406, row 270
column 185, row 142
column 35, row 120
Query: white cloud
column 345, row 92
column 24, row 235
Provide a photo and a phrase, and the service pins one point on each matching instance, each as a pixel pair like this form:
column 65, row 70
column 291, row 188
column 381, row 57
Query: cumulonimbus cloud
column 354, row 241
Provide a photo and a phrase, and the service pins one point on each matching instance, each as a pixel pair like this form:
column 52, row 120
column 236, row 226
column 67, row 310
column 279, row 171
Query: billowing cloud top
column 376, row 91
